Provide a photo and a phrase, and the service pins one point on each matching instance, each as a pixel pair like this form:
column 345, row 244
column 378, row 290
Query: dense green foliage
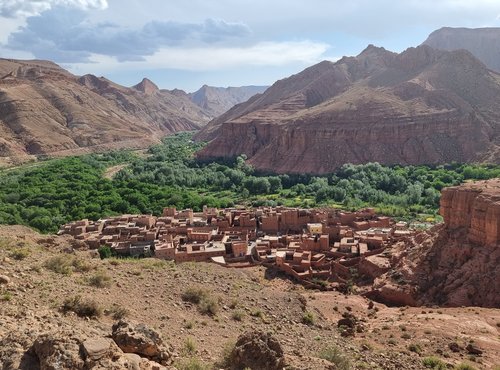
column 54, row 192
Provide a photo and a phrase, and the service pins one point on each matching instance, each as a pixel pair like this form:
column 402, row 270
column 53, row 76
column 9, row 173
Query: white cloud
column 269, row 54
column 26, row 8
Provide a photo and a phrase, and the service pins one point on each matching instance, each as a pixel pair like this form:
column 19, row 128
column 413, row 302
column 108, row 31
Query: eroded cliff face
column 474, row 207
column 456, row 263
column 423, row 106
column 321, row 148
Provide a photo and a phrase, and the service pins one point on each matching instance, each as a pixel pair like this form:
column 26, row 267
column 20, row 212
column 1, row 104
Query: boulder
column 4, row 279
column 58, row 351
column 141, row 340
column 258, row 351
column 95, row 349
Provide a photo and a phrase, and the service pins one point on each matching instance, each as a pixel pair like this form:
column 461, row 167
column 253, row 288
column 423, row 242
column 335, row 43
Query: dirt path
column 112, row 171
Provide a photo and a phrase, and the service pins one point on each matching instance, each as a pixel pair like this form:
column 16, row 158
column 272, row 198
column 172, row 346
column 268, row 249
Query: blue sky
column 187, row 43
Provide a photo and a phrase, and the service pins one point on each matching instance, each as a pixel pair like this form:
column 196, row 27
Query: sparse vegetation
column 413, row 347
column 225, row 360
column 209, row 306
column 308, row 318
column 20, row 253
column 66, row 264
column 100, row 280
column 334, row 355
column 118, row 312
column 464, row 366
column 257, row 313
column 238, row 315
column 434, row 363
column 192, row 363
column 82, row 307
column 6, row 296
column 194, row 295
column 190, row 346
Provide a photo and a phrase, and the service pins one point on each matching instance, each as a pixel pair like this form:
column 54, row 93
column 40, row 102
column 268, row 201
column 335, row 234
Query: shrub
column 66, row 264
column 100, row 280
column 208, row 306
column 83, row 308
column 118, row 312
column 464, row 366
column 191, row 364
column 226, row 356
column 257, row 313
column 6, row 296
column 238, row 315
column 333, row 355
column 59, row 264
column 190, row 346
column 105, row 252
column 308, row 318
column 194, row 295
column 415, row 348
column 406, row 336
column 433, row 363
column 20, row 253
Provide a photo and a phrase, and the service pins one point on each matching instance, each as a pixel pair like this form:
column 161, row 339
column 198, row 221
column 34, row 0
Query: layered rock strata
column 422, row 106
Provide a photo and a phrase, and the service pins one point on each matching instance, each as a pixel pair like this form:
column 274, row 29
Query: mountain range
column 44, row 109
column 423, row 106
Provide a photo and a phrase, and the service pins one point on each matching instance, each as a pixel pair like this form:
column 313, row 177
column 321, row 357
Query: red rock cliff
column 475, row 207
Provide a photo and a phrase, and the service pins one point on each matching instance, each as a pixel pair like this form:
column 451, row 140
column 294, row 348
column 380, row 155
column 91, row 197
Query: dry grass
column 82, row 307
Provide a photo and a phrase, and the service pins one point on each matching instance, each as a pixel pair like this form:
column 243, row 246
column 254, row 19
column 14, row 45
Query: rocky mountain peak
column 146, row 86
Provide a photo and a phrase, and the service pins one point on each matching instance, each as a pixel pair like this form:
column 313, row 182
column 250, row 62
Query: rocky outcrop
column 422, row 106
column 46, row 110
column 258, row 351
column 483, row 43
column 474, row 207
column 66, row 349
column 454, row 264
column 141, row 340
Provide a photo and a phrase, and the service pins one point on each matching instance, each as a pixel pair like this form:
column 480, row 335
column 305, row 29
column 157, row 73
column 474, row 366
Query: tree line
column 62, row 190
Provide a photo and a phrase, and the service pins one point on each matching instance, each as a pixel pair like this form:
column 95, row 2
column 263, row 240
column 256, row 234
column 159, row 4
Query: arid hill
column 423, row 106
column 218, row 100
column 60, row 305
column 46, row 110
column 483, row 43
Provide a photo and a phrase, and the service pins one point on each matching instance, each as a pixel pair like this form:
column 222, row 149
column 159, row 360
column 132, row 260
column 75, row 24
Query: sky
column 187, row 43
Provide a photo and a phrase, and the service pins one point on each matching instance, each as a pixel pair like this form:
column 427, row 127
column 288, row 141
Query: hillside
column 218, row 100
column 47, row 110
column 40, row 274
column 423, row 106
column 483, row 43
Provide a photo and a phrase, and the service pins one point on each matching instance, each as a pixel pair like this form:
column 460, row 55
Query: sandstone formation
column 46, row 110
column 454, row 264
column 475, row 207
column 483, row 43
column 423, row 106
column 218, row 100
